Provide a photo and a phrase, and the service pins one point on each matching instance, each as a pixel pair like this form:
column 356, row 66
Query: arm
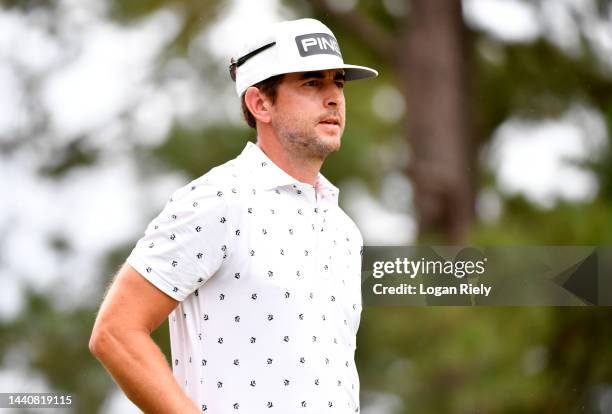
column 121, row 340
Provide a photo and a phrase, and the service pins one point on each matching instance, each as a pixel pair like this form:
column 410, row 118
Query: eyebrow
column 319, row 75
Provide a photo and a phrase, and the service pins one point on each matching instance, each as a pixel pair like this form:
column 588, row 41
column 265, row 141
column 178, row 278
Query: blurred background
column 489, row 125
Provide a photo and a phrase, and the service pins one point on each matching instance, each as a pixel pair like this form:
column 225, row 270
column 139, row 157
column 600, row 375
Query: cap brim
column 354, row 72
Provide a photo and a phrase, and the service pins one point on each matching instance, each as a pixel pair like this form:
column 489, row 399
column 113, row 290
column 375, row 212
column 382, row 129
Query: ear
column 258, row 103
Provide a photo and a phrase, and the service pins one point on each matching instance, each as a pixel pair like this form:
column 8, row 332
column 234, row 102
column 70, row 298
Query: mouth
column 332, row 120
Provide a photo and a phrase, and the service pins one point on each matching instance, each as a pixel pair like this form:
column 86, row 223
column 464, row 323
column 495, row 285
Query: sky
column 87, row 81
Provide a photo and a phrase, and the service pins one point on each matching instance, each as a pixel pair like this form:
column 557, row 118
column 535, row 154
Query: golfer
column 254, row 263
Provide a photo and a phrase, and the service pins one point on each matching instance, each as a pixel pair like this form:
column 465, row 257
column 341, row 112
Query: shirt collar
column 268, row 175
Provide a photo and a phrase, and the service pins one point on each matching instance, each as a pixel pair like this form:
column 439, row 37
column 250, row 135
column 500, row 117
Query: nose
column 334, row 96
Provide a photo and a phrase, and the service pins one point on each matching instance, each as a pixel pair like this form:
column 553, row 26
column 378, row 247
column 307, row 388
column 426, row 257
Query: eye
column 313, row 82
column 340, row 84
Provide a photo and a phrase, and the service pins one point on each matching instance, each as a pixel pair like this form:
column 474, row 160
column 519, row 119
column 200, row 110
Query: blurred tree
column 436, row 68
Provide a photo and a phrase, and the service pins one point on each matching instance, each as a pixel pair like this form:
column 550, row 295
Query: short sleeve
column 186, row 243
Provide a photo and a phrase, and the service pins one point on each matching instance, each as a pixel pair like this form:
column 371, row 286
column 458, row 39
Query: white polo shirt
column 268, row 275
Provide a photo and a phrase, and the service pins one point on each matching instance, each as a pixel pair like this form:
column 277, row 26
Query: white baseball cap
column 291, row 46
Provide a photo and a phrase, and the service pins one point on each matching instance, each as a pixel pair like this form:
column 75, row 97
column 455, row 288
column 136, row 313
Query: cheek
column 292, row 119
column 299, row 113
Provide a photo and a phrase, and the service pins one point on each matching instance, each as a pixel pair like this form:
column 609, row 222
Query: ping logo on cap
column 317, row 44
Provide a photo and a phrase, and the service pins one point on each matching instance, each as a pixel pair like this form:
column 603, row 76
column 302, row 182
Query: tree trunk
column 435, row 67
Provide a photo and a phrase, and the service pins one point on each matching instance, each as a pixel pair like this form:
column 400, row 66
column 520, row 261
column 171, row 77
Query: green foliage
column 194, row 152
column 534, row 81
column 75, row 154
column 473, row 357
column 55, row 343
column 571, row 224
column 489, row 360
column 27, row 5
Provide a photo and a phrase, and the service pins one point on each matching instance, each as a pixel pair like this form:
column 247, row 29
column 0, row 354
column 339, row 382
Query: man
column 257, row 266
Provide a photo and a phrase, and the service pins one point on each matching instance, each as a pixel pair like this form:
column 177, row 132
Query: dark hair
column 268, row 87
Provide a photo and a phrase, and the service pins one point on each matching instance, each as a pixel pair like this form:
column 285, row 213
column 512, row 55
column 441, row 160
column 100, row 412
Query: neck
column 300, row 166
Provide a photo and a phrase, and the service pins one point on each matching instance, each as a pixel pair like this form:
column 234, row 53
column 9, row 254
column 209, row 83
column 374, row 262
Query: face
column 309, row 112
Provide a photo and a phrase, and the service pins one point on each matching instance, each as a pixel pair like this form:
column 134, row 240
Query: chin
column 329, row 144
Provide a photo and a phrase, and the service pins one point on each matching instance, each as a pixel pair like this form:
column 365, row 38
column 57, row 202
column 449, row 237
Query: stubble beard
column 301, row 139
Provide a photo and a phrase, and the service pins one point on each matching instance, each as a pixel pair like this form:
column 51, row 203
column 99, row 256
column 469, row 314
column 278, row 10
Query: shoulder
column 220, row 183
column 206, row 199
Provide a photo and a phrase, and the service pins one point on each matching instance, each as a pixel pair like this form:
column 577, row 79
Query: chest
column 296, row 243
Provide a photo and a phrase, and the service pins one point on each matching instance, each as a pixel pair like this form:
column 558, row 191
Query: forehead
column 319, row 74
